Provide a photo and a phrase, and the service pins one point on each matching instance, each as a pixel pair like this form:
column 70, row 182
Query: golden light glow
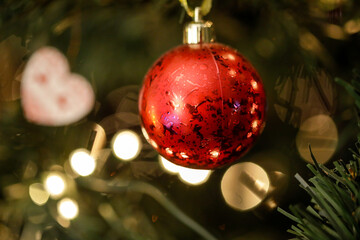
column 82, row 163
column 126, row 145
column 38, row 194
column 244, row 186
column 153, row 144
column 55, row 184
column 334, row 31
column 352, row 26
column 146, row 135
column 68, row 208
column 264, row 47
column 168, row 166
column 271, row 203
column 309, row 42
column 193, row 176
column 321, row 133
column 187, row 175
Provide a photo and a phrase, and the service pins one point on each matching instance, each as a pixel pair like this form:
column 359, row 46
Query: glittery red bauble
column 202, row 105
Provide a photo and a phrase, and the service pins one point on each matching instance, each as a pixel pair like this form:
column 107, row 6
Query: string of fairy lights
column 126, row 146
column 244, row 185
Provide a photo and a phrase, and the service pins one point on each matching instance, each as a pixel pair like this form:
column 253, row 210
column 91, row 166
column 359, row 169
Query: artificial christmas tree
column 96, row 177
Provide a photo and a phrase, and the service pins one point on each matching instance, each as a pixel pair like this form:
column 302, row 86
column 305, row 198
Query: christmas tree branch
column 103, row 186
column 335, row 194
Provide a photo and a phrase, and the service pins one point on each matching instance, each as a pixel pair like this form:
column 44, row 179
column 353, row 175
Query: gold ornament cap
column 198, row 30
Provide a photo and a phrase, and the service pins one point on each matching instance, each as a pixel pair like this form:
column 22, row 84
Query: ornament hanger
column 204, row 8
column 198, row 30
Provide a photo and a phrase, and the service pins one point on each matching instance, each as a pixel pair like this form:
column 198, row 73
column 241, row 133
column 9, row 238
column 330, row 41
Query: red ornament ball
column 202, row 105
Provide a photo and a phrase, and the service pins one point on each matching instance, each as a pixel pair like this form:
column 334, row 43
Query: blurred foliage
column 335, row 194
column 113, row 43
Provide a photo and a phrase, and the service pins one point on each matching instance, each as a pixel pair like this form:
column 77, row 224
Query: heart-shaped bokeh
column 51, row 95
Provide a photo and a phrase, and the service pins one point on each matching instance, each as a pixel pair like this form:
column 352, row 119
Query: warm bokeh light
column 146, row 135
column 68, row 208
column 168, row 166
column 82, row 163
column 55, row 184
column 38, row 194
column 188, row 175
column 126, row 145
column 193, row 176
column 352, row 26
column 244, row 185
column 264, row 47
column 321, row 133
column 334, row 31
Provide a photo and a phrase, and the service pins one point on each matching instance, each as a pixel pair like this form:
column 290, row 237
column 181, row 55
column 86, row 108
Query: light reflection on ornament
column 229, row 56
column 244, row 186
column 232, row 72
column 169, row 151
column 38, row 194
column 255, row 124
column 321, row 133
column 184, row 155
column 215, row 153
column 68, row 208
column 253, row 108
column 254, row 84
column 82, row 163
column 126, row 145
column 55, row 184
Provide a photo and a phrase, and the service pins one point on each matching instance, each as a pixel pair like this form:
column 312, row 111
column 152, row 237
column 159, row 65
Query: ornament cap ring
column 198, row 30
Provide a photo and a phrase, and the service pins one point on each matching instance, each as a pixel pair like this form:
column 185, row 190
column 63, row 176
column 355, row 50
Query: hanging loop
column 204, row 8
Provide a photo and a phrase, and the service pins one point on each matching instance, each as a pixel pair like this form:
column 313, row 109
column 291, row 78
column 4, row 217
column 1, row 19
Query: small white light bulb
column 68, row 208
column 168, row 166
column 38, row 194
column 55, row 184
column 82, row 162
column 126, row 145
column 194, row 176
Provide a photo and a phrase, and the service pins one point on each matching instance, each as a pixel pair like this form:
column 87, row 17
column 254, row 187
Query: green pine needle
column 336, row 211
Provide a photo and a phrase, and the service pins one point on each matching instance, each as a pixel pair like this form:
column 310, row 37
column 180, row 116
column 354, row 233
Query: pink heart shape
column 51, row 95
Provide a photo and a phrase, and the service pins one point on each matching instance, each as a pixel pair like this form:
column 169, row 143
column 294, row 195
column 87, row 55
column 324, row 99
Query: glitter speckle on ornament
column 202, row 104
